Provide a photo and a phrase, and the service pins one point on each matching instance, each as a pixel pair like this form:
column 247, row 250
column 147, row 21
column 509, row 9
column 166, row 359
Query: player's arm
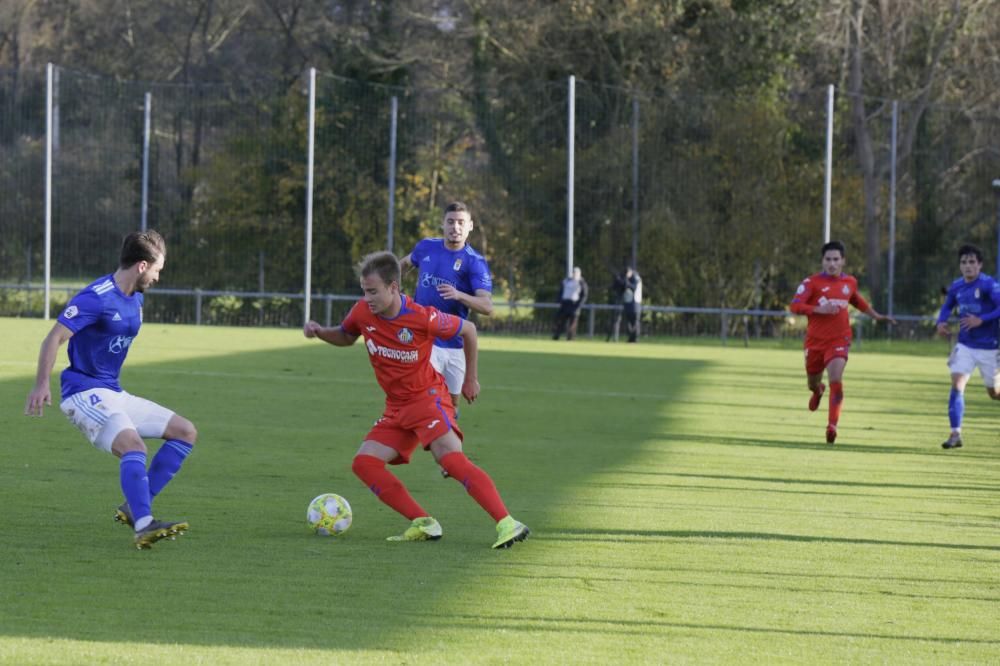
column 974, row 321
column 42, row 394
column 481, row 301
column 858, row 301
column 470, row 345
column 334, row 335
column 800, row 304
column 950, row 301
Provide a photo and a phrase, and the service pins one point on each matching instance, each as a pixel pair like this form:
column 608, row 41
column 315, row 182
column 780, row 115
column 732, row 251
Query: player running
column 977, row 298
column 455, row 279
column 399, row 335
column 824, row 298
column 100, row 323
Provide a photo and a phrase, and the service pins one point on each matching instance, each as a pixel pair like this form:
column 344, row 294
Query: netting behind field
column 717, row 199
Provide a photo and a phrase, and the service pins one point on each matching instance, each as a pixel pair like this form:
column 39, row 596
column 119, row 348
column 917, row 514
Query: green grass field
column 683, row 503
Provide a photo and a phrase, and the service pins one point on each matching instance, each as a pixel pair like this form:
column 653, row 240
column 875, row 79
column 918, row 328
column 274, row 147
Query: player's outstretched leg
column 166, row 463
column 831, row 433
column 482, row 489
column 157, row 530
column 956, row 410
column 386, row 486
column 816, row 396
column 836, row 402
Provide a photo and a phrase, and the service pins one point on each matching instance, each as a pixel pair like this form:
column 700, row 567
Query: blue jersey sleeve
column 420, row 250
column 994, row 297
column 82, row 311
column 479, row 277
column 950, row 301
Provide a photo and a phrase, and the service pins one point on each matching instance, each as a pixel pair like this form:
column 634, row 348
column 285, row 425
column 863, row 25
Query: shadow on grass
column 646, row 535
column 822, row 482
column 277, row 428
column 929, row 450
column 644, row 627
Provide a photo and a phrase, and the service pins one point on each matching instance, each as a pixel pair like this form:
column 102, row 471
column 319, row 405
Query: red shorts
column 818, row 358
column 401, row 427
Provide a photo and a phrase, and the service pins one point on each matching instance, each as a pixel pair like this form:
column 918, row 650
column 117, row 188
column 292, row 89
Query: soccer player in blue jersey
column 100, row 323
column 453, row 278
column 977, row 298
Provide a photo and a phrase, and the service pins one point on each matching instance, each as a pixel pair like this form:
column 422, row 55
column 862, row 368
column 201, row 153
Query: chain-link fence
column 718, row 200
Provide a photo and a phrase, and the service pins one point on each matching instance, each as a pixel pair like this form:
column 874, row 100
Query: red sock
column 477, row 483
column 386, row 486
column 836, row 398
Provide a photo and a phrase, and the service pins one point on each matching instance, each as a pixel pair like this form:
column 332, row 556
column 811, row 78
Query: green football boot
column 509, row 531
column 421, row 529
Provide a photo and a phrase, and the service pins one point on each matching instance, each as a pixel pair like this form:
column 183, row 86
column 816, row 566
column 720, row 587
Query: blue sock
column 166, row 463
column 956, row 408
column 135, row 484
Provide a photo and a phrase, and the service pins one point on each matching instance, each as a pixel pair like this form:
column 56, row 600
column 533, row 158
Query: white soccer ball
column 329, row 514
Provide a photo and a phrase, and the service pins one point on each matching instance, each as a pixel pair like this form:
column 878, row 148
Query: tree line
column 726, row 98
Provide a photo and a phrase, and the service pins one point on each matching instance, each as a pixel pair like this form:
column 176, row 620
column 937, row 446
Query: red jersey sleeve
column 351, row 323
column 800, row 303
column 442, row 325
column 857, row 300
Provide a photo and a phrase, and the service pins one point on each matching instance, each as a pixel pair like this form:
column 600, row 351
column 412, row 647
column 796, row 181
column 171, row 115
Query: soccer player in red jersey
column 824, row 298
column 399, row 335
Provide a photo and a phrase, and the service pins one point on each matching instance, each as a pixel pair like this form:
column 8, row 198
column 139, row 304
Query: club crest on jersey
column 73, row 311
column 977, row 292
column 846, row 290
column 457, row 265
column 801, row 289
column 405, row 336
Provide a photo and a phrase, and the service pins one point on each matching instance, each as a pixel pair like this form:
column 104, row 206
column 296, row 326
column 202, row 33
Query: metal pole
column 570, row 158
column 147, row 112
column 828, row 184
column 49, row 74
column 892, row 206
column 309, row 193
column 996, row 191
column 635, row 183
column 392, row 169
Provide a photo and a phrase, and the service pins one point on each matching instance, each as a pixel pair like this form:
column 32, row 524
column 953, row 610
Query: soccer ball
column 329, row 515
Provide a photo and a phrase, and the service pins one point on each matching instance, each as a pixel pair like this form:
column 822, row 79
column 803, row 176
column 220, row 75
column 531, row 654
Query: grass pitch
column 683, row 503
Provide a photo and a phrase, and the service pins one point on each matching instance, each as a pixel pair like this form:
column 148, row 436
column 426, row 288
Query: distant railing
column 220, row 307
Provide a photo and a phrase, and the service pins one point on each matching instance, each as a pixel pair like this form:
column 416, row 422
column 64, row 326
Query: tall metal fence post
column 828, row 178
column 147, row 114
column 635, row 184
column 996, row 191
column 392, row 170
column 570, row 160
column 892, row 207
column 49, row 87
column 306, row 305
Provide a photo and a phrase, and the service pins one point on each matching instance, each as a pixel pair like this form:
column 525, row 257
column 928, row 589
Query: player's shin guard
column 477, row 483
column 956, row 408
column 386, row 486
column 166, row 463
column 135, row 486
column 836, row 400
